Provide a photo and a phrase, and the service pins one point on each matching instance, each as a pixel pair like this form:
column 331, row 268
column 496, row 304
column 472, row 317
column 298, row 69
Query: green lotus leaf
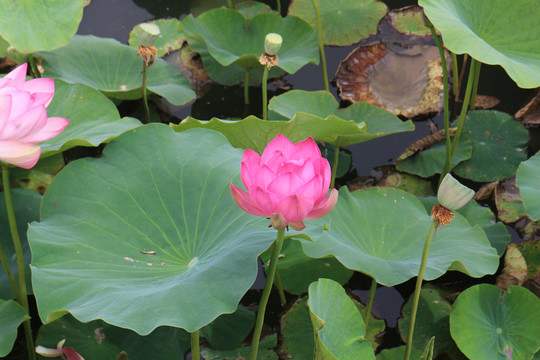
column 298, row 271
column 99, row 340
column 378, row 122
column 493, row 33
column 433, row 319
column 254, row 133
column 381, row 232
column 93, row 118
column 39, row 25
column 528, row 179
column 431, row 161
column 229, row 330
column 266, row 351
column 409, row 20
column 170, row 38
column 243, row 42
column 499, row 145
column 475, row 214
column 331, row 312
column 531, row 253
column 144, row 238
column 398, row 353
column 12, row 315
column 488, row 323
column 40, row 176
column 115, row 69
column 344, row 22
column 26, row 206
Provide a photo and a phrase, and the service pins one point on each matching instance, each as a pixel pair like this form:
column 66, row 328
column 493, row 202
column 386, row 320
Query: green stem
column 278, row 6
column 195, row 352
column 475, row 86
column 23, row 295
column 279, row 285
column 246, row 88
column 334, row 167
column 33, row 66
column 11, row 278
column 321, row 44
column 445, row 98
column 461, row 75
column 229, row 3
column 145, row 100
column 455, row 75
column 367, row 310
column 419, row 279
column 266, row 294
column 264, row 94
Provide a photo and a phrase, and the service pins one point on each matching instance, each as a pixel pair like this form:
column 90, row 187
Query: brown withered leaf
column 485, row 191
column 515, row 268
column 530, row 113
column 486, row 102
column 425, row 143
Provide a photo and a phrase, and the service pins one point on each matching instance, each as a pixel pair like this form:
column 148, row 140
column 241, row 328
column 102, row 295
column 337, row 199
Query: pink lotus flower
column 23, row 117
column 288, row 183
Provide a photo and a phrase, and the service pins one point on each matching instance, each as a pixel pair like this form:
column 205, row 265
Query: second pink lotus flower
column 288, row 183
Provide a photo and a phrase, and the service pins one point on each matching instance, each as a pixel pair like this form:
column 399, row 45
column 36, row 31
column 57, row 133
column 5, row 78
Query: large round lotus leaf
column 36, row 25
column 344, row 22
column 475, row 214
column 488, row 323
column 432, row 320
column 115, row 69
column 148, row 234
column 381, row 232
column 499, row 145
column 398, row 353
column 101, row 341
column 171, row 36
column 243, row 42
column 229, row 330
column 12, row 315
column 528, row 181
column 500, row 33
column 266, row 351
column 431, row 161
column 298, row 271
column 26, row 205
column 254, row 133
column 378, row 122
column 331, row 312
column 93, row 118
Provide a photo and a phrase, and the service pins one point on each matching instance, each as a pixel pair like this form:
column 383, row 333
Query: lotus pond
column 300, row 179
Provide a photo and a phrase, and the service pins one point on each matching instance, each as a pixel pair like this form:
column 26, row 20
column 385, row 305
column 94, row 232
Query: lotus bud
column 272, row 43
column 452, row 194
column 148, row 33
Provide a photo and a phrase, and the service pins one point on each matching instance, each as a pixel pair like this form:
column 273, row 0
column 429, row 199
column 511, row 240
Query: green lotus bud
column 452, row 194
column 272, row 43
column 148, row 33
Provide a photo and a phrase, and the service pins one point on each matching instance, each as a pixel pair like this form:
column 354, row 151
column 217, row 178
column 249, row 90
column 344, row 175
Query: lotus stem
column 266, row 294
column 145, row 100
column 475, row 85
column 195, row 352
column 461, row 75
column 246, row 88
column 449, row 153
column 7, row 269
column 23, row 295
column 279, row 285
column 367, row 310
column 278, row 6
column 265, row 94
column 419, row 279
column 321, row 44
column 334, row 167
column 229, row 3
column 455, row 79
column 33, row 66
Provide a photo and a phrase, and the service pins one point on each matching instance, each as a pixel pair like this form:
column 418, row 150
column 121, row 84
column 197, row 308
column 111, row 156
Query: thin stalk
column 11, row 278
column 461, row 75
column 229, row 3
column 33, row 66
column 419, row 279
column 266, row 294
column 321, row 44
column 455, row 78
column 334, row 167
column 445, row 97
column 265, row 94
column 278, row 6
column 145, row 100
column 279, row 285
column 246, row 88
column 23, row 294
column 367, row 310
column 195, row 352
column 475, row 85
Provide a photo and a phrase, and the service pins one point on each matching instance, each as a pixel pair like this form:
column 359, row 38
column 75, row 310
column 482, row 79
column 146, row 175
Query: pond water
column 116, row 18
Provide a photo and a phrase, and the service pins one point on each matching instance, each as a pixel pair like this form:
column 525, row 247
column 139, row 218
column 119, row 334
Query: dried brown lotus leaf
column 515, row 268
column 530, row 113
